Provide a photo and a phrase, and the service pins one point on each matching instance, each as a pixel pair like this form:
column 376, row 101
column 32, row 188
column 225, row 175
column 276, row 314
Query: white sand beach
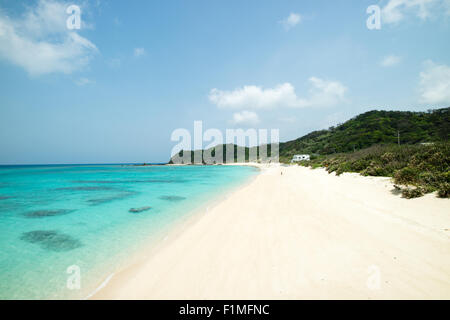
column 302, row 234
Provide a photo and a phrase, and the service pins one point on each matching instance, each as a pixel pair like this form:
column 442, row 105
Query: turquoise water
column 94, row 217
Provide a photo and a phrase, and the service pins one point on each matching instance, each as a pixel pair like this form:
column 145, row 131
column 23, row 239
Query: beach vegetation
column 415, row 169
column 410, row 193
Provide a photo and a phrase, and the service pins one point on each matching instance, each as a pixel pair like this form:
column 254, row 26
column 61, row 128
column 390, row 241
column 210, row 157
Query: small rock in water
column 139, row 210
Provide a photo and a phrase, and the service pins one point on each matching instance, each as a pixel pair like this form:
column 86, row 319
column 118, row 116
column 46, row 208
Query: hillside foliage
column 371, row 128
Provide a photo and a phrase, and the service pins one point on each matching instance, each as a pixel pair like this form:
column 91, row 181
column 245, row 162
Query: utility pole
column 398, row 137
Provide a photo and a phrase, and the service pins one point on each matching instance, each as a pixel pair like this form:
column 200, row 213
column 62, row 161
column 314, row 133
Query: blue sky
column 114, row 90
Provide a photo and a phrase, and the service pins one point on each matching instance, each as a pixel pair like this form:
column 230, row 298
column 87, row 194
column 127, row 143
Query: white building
column 301, row 157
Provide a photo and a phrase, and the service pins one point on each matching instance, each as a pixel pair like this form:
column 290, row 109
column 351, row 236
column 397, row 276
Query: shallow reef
column 172, row 198
column 51, row 240
column 98, row 201
column 47, row 213
column 84, row 188
column 139, row 210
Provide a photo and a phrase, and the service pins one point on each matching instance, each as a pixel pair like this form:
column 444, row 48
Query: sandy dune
column 304, row 234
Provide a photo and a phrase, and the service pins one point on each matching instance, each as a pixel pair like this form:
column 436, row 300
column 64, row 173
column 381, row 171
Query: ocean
column 64, row 229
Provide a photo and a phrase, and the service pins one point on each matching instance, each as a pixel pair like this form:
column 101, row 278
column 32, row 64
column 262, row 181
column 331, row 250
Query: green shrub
column 316, row 165
column 446, row 176
column 374, row 170
column 424, row 166
column 360, row 165
column 410, row 193
column 444, row 190
column 406, row 176
column 387, row 157
column 332, row 168
column 428, row 177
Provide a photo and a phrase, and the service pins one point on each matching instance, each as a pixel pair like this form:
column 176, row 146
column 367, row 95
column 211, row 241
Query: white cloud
column 245, row 118
column 322, row 93
column 40, row 42
column 396, row 10
column 139, row 52
column 390, row 61
column 435, row 83
column 325, row 93
column 291, row 21
column 254, row 97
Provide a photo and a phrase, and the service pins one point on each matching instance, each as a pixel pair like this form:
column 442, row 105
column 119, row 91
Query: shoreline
column 170, row 233
column 305, row 234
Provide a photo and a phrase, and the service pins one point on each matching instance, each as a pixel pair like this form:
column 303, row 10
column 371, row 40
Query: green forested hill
column 373, row 127
column 368, row 129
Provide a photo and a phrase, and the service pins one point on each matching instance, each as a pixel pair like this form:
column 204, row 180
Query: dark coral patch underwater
column 51, row 240
column 139, row 210
column 172, row 198
column 47, row 213
column 99, row 201
column 84, row 188
column 130, row 181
